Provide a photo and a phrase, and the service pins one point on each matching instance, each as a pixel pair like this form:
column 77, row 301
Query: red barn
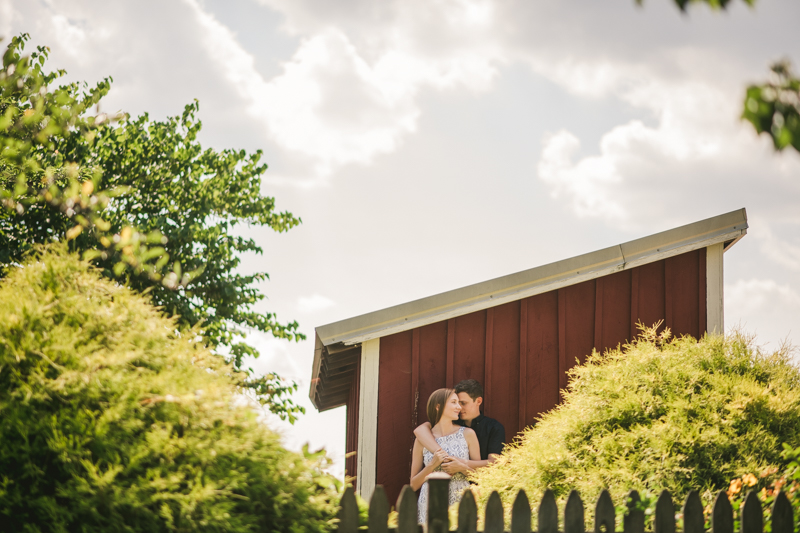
column 518, row 335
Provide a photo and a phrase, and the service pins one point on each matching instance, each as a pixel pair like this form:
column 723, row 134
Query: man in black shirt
column 491, row 433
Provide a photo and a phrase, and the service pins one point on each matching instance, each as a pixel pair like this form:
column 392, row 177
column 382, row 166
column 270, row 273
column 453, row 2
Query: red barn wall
column 525, row 346
column 351, row 438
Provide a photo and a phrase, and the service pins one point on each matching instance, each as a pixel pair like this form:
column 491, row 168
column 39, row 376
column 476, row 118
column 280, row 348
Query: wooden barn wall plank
column 433, row 359
column 579, row 302
column 614, row 293
column 522, row 415
column 543, row 377
column 351, row 440
column 562, row 341
column 702, row 261
column 395, row 433
column 682, row 274
column 503, row 401
column 470, row 344
column 415, row 367
column 520, row 351
column 650, row 295
column 598, row 312
column 634, row 301
column 488, row 358
column 451, row 350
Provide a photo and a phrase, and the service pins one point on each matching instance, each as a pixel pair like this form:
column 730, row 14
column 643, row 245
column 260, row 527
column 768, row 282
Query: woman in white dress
column 457, row 442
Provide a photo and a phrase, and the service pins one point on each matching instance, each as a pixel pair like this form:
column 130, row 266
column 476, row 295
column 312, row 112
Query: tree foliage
column 772, row 107
column 141, row 198
column 112, row 419
column 657, row 414
column 714, row 4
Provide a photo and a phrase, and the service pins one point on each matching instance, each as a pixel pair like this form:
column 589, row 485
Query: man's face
column 469, row 408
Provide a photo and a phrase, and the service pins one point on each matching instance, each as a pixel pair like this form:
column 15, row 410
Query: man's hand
column 438, row 457
column 453, row 465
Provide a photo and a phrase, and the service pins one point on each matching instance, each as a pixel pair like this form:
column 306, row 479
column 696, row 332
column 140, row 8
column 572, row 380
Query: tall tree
column 144, row 200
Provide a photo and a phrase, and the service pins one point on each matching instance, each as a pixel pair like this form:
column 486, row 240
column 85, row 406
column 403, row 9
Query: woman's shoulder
column 469, row 431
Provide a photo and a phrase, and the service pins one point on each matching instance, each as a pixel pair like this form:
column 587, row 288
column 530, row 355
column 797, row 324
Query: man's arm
column 452, row 465
column 495, row 445
column 426, row 438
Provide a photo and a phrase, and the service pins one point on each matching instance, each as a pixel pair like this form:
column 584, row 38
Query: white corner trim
column 715, row 302
column 368, row 419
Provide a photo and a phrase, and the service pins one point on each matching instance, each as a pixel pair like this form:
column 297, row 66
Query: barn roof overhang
column 338, row 345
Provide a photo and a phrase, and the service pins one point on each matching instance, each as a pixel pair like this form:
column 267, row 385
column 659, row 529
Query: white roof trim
column 723, row 228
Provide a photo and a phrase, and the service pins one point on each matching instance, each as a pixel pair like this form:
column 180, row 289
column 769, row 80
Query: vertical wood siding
column 395, row 407
column 351, row 438
column 526, row 346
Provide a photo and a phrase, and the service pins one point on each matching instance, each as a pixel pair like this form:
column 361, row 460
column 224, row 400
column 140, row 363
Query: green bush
column 676, row 414
column 112, row 419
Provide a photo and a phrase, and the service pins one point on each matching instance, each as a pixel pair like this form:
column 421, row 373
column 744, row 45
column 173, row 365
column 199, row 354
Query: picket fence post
column 521, row 514
column 378, row 512
column 722, row 519
column 438, row 502
column 548, row 513
column 493, row 522
column 467, row 514
column 693, row 519
column 573, row 513
column 348, row 512
column 665, row 514
column 604, row 518
column 633, row 522
column 407, row 511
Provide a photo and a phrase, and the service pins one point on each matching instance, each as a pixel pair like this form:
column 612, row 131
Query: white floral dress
column 455, row 444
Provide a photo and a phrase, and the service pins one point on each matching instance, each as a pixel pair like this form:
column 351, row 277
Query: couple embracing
column 457, row 439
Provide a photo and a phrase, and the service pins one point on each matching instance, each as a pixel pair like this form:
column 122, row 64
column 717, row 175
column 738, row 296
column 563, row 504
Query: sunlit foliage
column 676, row 414
column 113, row 420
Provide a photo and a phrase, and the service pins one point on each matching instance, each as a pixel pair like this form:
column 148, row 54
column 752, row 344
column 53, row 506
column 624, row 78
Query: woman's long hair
column 436, row 404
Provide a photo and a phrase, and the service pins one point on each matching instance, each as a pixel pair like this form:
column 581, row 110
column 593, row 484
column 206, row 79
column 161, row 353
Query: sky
column 431, row 144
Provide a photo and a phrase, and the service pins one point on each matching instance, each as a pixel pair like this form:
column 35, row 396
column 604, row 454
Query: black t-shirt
column 491, row 434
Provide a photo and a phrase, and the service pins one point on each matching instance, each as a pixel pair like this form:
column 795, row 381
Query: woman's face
column 451, row 408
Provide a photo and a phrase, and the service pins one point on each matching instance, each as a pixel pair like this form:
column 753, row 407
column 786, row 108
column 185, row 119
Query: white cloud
column 764, row 307
column 696, row 148
column 314, row 303
column 780, row 250
column 330, row 105
column 275, row 355
column 335, row 107
column 588, row 78
column 327, row 104
column 583, row 183
column 71, row 36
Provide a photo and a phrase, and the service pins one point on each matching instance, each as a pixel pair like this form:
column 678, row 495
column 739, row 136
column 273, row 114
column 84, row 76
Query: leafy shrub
column 113, row 419
column 676, row 414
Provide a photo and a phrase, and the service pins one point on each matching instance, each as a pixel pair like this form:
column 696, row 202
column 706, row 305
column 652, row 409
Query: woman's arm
column 418, row 471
